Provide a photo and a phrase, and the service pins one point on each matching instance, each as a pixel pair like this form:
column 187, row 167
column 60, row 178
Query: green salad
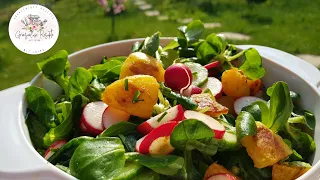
column 193, row 109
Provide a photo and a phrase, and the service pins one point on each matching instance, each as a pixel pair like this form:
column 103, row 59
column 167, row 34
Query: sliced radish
column 92, row 116
column 215, row 86
column 222, row 176
column 83, row 127
column 157, row 142
column 178, row 77
column 173, row 114
column 55, row 146
column 191, row 90
column 212, row 65
column 217, row 127
column 112, row 116
column 245, row 101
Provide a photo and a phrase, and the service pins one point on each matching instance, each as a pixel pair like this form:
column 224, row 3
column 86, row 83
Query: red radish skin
column 178, row 77
column 217, row 127
column 157, row 141
column 196, row 90
column 144, row 128
column 83, row 127
column 215, row 86
column 112, row 116
column 55, row 146
column 173, row 114
column 213, row 65
column 245, row 101
column 85, row 130
column 222, row 176
column 191, row 90
column 92, row 117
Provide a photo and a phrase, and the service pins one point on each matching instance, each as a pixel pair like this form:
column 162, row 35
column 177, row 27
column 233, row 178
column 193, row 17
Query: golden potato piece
column 304, row 170
column 287, row 172
column 214, row 169
column 254, row 85
column 265, row 148
column 284, row 172
column 141, row 63
column 116, row 95
column 210, row 106
column 234, row 83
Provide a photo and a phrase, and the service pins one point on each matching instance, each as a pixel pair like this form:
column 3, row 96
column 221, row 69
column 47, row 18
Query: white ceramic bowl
column 19, row 160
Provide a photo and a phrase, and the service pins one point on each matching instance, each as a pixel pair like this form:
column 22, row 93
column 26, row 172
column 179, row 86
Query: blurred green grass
column 289, row 25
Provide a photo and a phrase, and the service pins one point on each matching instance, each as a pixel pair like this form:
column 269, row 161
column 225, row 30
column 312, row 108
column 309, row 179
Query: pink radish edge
column 189, row 80
column 212, row 65
column 55, row 146
column 92, row 117
column 192, row 89
column 173, row 114
column 143, row 144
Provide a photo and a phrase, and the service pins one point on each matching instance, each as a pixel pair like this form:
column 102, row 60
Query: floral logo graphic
column 33, row 23
column 33, row 29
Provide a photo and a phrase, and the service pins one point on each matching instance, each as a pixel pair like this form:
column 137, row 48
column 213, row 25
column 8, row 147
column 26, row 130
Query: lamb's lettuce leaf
column 79, row 81
column 110, row 68
column 78, row 103
column 129, row 171
column 100, row 158
column 63, row 130
column 162, row 164
column 186, row 133
column 37, row 130
column 151, row 44
column 63, row 155
column 123, row 128
column 276, row 116
column 302, row 142
column 147, row 174
column 94, row 90
column 56, row 68
column 280, row 106
column 41, row 103
column 245, row 125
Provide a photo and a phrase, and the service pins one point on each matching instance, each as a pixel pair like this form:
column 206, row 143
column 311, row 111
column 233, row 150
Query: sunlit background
column 288, row 25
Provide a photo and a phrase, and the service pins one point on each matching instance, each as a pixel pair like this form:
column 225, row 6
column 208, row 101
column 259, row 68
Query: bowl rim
column 305, row 176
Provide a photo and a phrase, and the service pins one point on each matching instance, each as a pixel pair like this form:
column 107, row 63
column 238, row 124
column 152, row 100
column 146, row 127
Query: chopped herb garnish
column 162, row 116
column 126, row 85
column 174, row 102
column 136, row 96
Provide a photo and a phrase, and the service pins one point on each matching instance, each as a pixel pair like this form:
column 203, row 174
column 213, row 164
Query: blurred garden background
column 288, row 25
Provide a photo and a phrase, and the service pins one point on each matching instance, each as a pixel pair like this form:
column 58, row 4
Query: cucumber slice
column 229, row 142
column 199, row 73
